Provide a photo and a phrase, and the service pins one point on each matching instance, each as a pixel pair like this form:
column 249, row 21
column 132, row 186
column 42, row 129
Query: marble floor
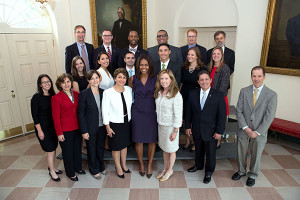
column 24, row 175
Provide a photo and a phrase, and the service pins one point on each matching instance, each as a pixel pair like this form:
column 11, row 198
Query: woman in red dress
column 220, row 75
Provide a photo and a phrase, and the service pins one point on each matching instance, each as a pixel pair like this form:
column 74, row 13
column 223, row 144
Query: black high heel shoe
column 81, row 172
column 74, row 178
column 127, row 171
column 59, row 171
column 55, row 179
column 120, row 176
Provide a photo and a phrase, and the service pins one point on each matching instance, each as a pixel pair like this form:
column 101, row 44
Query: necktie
column 85, row 58
column 255, row 97
column 109, row 54
column 203, row 100
column 163, row 66
column 130, row 73
column 132, row 50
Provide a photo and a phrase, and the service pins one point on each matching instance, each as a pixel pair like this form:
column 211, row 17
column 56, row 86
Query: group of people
column 133, row 96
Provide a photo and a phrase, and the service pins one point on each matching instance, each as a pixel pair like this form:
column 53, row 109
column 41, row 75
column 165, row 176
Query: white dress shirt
column 166, row 64
column 106, row 48
column 135, row 49
column 107, row 81
column 133, row 71
column 112, row 106
column 201, row 94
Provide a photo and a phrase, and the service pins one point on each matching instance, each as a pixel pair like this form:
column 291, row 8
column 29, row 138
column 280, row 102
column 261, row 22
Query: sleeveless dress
column 143, row 114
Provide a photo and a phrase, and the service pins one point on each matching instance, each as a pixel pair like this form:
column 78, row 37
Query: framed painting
column 105, row 15
column 281, row 45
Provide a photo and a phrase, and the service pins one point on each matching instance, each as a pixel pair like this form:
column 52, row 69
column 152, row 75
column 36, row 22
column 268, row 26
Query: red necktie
column 109, row 54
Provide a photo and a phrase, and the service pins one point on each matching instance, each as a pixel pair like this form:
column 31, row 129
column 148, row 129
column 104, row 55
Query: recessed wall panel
column 27, row 74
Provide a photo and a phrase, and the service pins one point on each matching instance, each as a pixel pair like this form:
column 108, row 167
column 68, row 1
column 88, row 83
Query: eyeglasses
column 45, row 82
column 78, row 32
column 192, row 36
column 106, row 35
column 162, row 36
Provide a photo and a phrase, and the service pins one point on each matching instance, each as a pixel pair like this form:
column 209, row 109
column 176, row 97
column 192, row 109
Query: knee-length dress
column 42, row 114
column 144, row 119
column 169, row 116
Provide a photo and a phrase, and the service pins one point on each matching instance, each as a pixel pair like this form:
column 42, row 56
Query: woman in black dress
column 189, row 79
column 116, row 112
column 42, row 117
column 78, row 71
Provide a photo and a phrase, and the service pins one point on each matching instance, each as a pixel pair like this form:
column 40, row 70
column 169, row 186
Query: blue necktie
column 203, row 100
column 130, row 73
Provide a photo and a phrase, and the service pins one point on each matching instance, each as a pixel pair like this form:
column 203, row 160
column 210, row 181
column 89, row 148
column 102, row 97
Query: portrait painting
column 281, row 47
column 120, row 17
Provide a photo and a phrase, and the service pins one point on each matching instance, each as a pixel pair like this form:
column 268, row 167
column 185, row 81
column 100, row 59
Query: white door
column 10, row 114
column 31, row 55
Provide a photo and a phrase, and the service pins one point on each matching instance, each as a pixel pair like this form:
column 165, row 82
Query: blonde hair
column 212, row 62
column 173, row 88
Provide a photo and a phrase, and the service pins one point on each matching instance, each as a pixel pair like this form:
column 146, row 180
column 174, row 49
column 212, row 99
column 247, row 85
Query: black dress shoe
column 127, row 171
column 149, row 175
column 237, row 176
column 55, row 179
column 74, row 178
column 250, row 182
column 58, row 172
column 194, row 168
column 207, row 179
column 81, row 172
column 219, row 147
column 142, row 173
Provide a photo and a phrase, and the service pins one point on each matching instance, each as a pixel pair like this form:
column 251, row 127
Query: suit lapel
column 76, row 49
column 249, row 96
column 198, row 103
column 92, row 98
column 208, row 98
column 260, row 98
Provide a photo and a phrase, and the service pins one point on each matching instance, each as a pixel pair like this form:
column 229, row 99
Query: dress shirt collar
column 133, row 70
column 206, row 92
column 166, row 64
column 192, row 45
column 131, row 49
column 105, row 46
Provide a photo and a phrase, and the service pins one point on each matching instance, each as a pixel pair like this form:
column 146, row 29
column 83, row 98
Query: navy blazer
column 114, row 59
column 123, row 52
column 205, row 123
column 173, row 66
column 175, row 55
column 229, row 58
column 72, row 51
column 88, row 113
column 184, row 51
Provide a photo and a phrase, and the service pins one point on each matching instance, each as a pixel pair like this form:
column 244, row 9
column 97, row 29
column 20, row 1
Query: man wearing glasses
column 162, row 37
column 192, row 42
column 79, row 48
column 112, row 51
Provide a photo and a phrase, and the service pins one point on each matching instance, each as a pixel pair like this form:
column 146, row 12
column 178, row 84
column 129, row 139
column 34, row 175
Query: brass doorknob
column 13, row 95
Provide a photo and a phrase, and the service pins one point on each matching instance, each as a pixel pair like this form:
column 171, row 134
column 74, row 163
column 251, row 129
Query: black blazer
column 88, row 113
column 72, row 51
column 114, row 56
column 173, row 66
column 229, row 58
column 175, row 55
column 123, row 52
column 205, row 123
column 121, row 33
column 185, row 49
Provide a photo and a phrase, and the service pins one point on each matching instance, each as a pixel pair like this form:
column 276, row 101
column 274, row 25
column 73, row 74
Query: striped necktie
column 109, row 54
column 255, row 97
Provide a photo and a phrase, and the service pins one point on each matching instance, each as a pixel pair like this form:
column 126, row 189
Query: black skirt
column 121, row 139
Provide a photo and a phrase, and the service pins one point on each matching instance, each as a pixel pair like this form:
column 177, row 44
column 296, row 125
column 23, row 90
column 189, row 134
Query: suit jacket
column 88, row 113
column 121, row 33
column 123, row 52
column 114, row 56
column 222, row 79
column 229, row 58
column 205, row 123
column 261, row 116
column 175, row 55
column 184, row 51
column 72, row 51
column 173, row 66
column 64, row 112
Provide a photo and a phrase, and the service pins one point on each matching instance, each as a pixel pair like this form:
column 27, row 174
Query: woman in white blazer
column 169, row 104
column 116, row 112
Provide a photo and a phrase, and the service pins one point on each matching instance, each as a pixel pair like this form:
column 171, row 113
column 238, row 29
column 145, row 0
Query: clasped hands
column 250, row 133
column 216, row 135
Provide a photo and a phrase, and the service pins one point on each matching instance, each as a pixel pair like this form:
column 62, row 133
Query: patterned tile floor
column 24, row 175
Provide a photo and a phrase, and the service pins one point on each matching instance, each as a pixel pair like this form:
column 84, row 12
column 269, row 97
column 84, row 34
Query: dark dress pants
column 71, row 152
column 95, row 150
column 207, row 148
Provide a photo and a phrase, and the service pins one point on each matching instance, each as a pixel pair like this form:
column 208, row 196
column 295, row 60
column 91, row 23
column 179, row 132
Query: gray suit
column 257, row 119
column 175, row 55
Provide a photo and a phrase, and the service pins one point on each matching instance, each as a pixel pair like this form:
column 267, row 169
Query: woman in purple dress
column 144, row 122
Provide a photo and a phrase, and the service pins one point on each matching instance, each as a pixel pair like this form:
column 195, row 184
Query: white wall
column 248, row 16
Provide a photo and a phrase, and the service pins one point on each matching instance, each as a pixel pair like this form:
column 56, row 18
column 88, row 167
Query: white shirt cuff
column 257, row 133
column 244, row 127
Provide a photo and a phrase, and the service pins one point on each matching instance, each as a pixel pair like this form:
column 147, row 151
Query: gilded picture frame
column 95, row 36
column 271, row 26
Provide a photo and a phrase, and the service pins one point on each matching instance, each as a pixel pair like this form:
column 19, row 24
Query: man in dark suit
column 229, row 55
column 205, row 119
column 121, row 30
column 79, row 48
column 165, row 62
column 133, row 47
column 112, row 51
column 162, row 37
column 255, row 112
column 192, row 42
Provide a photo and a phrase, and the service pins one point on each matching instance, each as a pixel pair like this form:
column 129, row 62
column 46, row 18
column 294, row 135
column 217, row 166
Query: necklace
column 191, row 70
